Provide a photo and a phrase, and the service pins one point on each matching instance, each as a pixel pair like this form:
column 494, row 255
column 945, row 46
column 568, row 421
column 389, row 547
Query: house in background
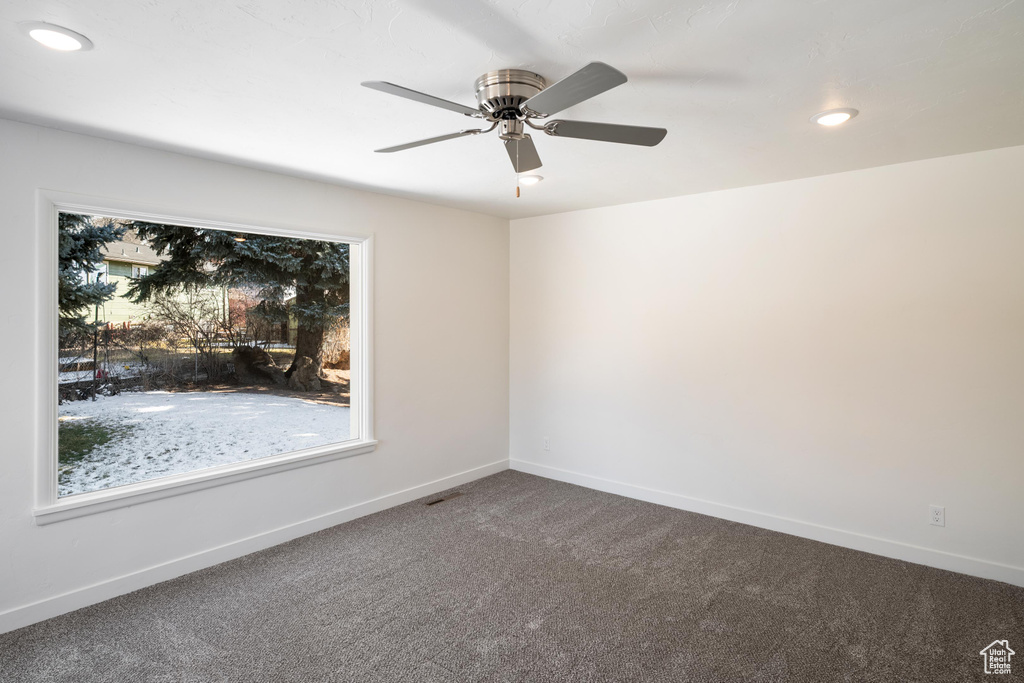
column 124, row 260
column 130, row 258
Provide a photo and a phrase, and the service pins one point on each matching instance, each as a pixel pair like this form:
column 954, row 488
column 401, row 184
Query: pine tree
column 315, row 273
column 79, row 243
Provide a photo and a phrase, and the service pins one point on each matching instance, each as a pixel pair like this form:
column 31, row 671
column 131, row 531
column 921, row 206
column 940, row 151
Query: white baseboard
column 847, row 539
column 90, row 595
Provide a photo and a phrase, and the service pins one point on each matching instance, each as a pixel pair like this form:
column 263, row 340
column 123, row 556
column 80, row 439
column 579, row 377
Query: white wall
column 825, row 356
column 441, row 365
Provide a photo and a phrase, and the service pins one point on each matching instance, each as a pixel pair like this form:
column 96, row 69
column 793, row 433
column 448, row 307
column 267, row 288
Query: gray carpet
column 524, row 579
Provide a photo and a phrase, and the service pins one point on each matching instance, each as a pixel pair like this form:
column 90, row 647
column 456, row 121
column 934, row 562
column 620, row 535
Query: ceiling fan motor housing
column 500, row 93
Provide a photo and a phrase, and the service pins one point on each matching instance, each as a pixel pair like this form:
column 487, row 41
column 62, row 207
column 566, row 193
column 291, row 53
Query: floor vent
column 448, row 497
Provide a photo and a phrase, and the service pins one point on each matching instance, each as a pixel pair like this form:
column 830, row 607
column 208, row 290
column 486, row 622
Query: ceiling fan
column 511, row 99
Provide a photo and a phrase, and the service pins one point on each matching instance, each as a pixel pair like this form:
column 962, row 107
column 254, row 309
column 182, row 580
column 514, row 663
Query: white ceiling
column 275, row 84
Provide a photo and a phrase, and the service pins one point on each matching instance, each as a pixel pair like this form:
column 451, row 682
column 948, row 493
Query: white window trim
column 48, row 506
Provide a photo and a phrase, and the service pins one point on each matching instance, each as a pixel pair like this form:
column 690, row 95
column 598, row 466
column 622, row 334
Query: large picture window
column 184, row 349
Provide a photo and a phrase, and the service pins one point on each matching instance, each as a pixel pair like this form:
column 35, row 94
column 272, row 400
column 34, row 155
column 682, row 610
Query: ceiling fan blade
column 523, row 154
column 606, row 132
column 430, row 141
column 591, row 80
column 417, row 96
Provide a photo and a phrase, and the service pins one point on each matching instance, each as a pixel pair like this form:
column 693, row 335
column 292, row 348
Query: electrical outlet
column 937, row 515
column 547, row 443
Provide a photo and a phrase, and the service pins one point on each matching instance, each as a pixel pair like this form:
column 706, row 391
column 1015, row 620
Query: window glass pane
column 116, row 268
column 187, row 348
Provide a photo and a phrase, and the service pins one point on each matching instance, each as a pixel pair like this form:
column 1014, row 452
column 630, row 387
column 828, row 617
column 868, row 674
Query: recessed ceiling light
column 833, row 117
column 55, row 37
column 530, row 179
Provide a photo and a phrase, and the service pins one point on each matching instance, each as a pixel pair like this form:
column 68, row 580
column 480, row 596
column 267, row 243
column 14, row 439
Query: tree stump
column 254, row 365
column 304, row 376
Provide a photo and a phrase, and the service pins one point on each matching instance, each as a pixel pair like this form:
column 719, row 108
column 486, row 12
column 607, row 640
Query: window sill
column 84, row 504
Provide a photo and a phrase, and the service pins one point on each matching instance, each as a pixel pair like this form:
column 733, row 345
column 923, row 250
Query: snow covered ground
column 162, row 433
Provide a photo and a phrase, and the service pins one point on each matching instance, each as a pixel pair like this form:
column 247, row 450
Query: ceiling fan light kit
column 512, row 100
